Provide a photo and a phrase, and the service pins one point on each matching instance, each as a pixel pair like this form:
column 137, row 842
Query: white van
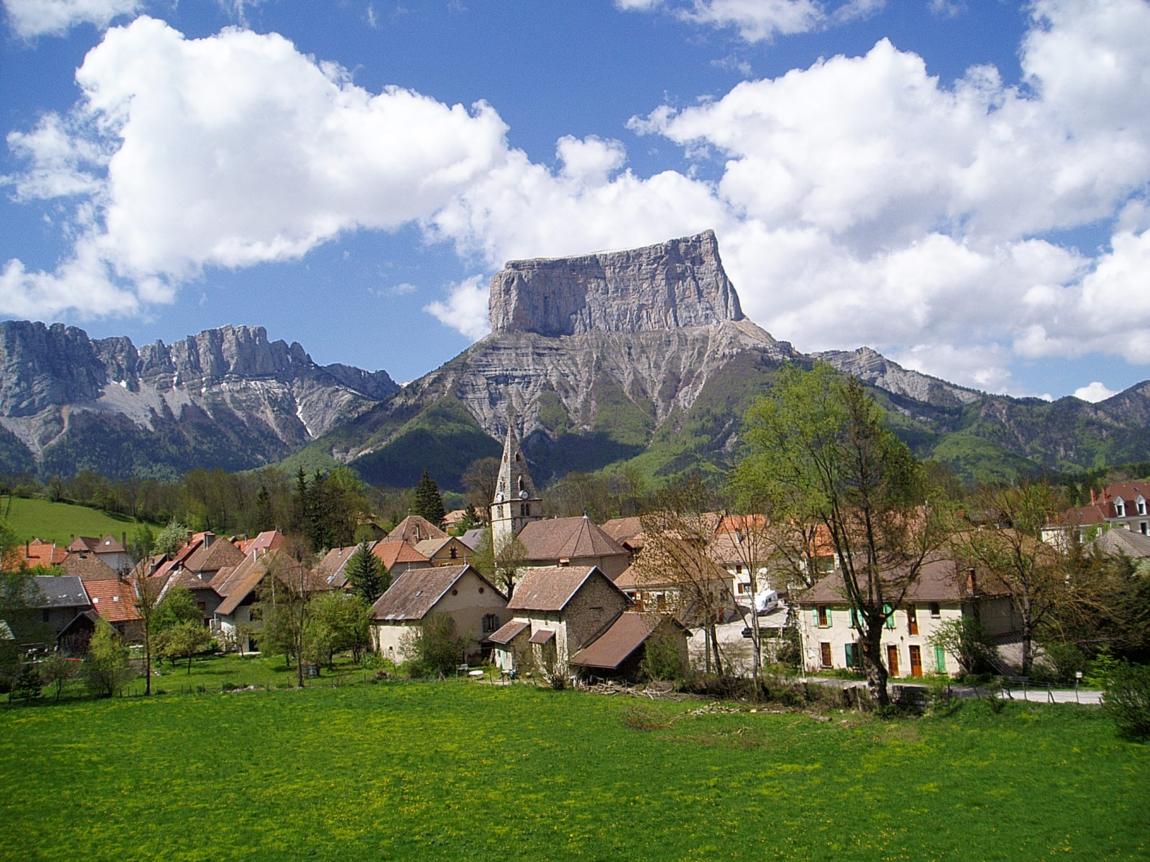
column 766, row 601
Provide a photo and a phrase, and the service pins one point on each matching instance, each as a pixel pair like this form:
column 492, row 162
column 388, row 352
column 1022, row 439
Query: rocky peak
column 674, row 284
column 43, row 365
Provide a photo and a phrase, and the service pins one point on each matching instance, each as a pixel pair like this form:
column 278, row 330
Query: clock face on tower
column 523, row 494
column 499, row 497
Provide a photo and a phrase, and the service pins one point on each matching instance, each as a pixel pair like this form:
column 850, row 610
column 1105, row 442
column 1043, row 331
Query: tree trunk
column 715, row 647
column 876, row 673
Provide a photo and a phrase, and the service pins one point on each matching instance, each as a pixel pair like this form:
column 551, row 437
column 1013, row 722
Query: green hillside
column 31, row 518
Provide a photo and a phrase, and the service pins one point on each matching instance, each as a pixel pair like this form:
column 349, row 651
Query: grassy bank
column 32, row 518
column 459, row 770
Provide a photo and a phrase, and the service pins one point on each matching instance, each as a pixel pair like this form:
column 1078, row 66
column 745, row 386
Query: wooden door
column 892, row 659
column 915, row 661
column 825, row 649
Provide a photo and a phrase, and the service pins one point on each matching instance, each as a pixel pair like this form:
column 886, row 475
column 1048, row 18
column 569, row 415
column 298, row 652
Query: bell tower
column 516, row 502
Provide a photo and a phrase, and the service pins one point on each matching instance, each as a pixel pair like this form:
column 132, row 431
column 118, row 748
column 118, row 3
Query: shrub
column 435, row 649
column 28, row 684
column 1127, row 701
column 663, row 657
column 638, row 717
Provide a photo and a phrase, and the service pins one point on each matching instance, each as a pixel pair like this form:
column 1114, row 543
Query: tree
column 508, row 559
column 171, row 538
column 675, row 555
column 434, row 648
column 964, row 639
column 480, row 480
column 820, row 452
column 337, row 621
column 106, row 668
column 428, row 501
column 178, row 606
column 56, row 670
column 284, row 599
column 185, row 640
column 366, row 574
column 1032, row 571
column 147, row 592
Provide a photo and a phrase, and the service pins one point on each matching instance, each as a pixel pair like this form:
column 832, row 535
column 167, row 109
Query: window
column 854, row 618
column 490, row 623
column 738, row 568
column 1142, row 528
column 825, row 654
column 1119, row 507
column 853, row 655
column 823, row 616
column 454, row 553
column 935, row 611
column 1141, row 502
column 912, row 619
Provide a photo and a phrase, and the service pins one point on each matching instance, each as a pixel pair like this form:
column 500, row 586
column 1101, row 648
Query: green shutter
column 850, row 651
column 940, row 659
column 854, row 618
column 888, row 612
column 815, row 617
column 828, row 617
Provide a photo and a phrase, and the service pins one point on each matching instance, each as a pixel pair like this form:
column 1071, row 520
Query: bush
column 663, row 657
column 434, row 648
column 28, row 684
column 1127, row 701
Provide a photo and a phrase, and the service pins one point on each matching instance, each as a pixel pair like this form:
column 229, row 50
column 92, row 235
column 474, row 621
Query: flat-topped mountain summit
column 678, row 283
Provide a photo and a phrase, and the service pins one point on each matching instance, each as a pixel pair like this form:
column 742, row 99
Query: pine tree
column 366, row 575
column 428, row 501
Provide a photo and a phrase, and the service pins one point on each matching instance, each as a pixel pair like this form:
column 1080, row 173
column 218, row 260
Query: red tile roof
column 391, row 552
column 85, row 564
column 113, row 599
column 37, row 553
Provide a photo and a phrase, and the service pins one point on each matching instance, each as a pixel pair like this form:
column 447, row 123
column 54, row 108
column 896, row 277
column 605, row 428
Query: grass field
column 460, row 770
column 31, row 518
column 213, row 672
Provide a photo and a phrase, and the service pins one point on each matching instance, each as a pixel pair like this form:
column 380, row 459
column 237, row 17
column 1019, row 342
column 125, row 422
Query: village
column 573, row 601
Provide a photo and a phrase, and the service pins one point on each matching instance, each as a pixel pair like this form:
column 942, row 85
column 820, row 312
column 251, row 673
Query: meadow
column 465, row 770
column 32, row 518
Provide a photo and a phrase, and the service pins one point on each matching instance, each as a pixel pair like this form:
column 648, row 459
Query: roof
column 37, row 553
column 113, row 598
column 473, row 537
column 542, row 636
column 550, row 588
column 213, row 554
column 415, row 528
column 567, row 539
column 106, row 545
column 942, row 579
column 508, row 632
column 330, row 570
column 413, row 594
column 681, row 562
column 624, row 530
column 65, row 591
column 1122, row 542
column 85, row 564
column 268, row 540
column 627, row 633
column 236, row 584
column 430, row 547
column 391, row 552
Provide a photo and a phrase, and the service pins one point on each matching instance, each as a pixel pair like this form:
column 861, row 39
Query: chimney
column 1093, row 500
column 972, row 581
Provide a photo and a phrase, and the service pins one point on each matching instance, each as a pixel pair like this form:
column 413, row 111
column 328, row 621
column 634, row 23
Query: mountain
column 644, row 356
column 640, row 357
column 227, row 398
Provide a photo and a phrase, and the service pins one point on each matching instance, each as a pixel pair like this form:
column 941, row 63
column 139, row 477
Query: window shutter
column 940, row 659
column 850, row 651
column 888, row 612
column 828, row 617
column 815, row 617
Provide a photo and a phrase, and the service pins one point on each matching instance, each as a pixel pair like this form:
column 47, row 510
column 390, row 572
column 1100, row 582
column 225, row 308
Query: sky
column 963, row 185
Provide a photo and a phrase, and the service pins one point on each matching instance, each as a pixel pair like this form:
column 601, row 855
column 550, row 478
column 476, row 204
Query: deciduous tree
column 106, row 669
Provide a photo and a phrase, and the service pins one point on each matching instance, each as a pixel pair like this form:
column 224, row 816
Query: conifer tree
column 366, row 575
column 428, row 501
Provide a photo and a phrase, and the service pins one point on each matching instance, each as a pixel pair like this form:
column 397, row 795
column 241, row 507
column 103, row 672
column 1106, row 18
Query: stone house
column 446, row 551
column 556, row 611
column 107, row 549
column 414, row 529
column 236, row 619
column 618, row 652
column 114, row 599
column 946, row 589
column 475, row 606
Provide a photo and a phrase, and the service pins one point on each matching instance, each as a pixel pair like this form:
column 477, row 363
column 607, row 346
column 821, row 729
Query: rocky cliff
column 225, row 397
column 679, row 283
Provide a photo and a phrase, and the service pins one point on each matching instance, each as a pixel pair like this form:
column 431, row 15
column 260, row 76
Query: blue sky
column 963, row 186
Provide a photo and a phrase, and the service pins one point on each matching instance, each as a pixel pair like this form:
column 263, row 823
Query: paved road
column 1086, row 697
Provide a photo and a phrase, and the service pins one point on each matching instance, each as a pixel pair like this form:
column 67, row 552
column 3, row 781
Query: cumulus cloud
column 237, row 149
column 465, row 308
column 1094, row 392
column 31, row 18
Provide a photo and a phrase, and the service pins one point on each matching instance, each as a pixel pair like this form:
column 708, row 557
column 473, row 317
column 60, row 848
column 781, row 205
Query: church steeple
column 516, row 502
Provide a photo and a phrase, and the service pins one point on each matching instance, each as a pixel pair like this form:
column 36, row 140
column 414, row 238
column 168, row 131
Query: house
column 475, row 606
column 53, row 604
column 331, row 571
column 628, row 532
column 235, row 621
column 1114, row 543
column 556, row 611
column 196, row 567
column 576, row 542
column 114, row 599
column 1122, row 505
column 473, row 537
column 268, row 540
column 618, row 652
column 397, row 557
column 414, row 529
column 448, row 551
column 686, row 583
column 111, row 552
column 945, row 589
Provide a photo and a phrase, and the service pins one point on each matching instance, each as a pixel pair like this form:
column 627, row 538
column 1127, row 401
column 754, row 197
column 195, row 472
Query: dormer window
column 1141, row 504
column 1119, row 507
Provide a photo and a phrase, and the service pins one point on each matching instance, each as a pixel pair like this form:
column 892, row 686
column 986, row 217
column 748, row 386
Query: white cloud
column 237, row 149
column 761, row 20
column 1094, row 392
column 31, row 18
column 465, row 308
